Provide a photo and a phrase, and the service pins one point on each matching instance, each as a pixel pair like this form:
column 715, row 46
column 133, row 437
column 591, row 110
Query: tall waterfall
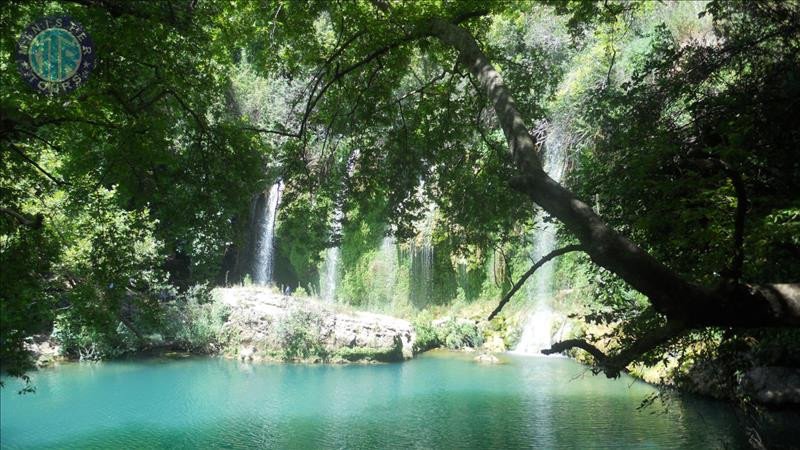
column 537, row 332
column 329, row 271
column 421, row 287
column 265, row 240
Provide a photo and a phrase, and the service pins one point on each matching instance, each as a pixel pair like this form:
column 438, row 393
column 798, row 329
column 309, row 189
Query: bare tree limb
column 35, row 164
column 612, row 365
column 526, row 275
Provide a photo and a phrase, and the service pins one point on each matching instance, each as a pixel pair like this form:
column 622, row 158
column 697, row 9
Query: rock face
column 264, row 325
column 44, row 351
column 773, row 385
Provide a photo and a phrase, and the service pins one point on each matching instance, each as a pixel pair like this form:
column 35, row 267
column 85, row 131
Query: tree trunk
column 668, row 292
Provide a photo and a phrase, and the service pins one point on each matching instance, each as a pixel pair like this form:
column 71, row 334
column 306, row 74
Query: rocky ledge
column 264, row 325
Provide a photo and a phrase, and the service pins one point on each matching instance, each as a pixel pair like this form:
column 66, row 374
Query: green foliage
column 353, row 354
column 91, row 343
column 456, row 335
column 299, row 335
column 426, row 336
column 687, row 102
column 25, row 306
column 453, row 333
column 195, row 321
column 126, row 176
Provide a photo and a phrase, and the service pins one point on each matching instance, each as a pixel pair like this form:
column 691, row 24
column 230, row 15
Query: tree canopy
column 684, row 170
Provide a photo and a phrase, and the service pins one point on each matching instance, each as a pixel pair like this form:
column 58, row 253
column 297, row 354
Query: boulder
column 44, row 350
column 487, row 358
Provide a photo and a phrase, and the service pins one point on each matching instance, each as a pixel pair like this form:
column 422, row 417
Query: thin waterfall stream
column 330, row 266
column 265, row 241
column 537, row 333
column 422, row 253
column 329, row 271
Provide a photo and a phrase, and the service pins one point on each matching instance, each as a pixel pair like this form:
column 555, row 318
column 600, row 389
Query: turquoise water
column 439, row 400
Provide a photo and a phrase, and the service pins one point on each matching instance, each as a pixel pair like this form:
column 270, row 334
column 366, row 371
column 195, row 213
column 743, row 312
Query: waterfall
column 421, row 287
column 328, row 276
column 329, row 271
column 265, row 240
column 330, row 266
column 388, row 264
column 537, row 332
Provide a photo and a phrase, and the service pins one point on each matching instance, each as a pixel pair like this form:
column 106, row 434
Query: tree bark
column 668, row 292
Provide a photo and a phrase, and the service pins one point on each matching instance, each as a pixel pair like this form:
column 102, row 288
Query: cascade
column 330, row 265
column 329, row 271
column 265, row 240
column 422, row 259
column 537, row 332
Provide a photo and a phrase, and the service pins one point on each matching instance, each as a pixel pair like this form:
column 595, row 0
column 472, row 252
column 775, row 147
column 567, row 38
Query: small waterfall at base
column 421, row 273
column 537, row 333
column 265, row 242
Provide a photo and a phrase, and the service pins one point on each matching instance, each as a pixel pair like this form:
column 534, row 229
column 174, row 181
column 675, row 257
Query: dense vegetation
column 124, row 201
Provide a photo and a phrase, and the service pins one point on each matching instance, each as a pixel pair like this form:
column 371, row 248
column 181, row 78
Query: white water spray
column 537, row 333
column 330, row 266
column 422, row 254
column 329, row 271
column 265, row 241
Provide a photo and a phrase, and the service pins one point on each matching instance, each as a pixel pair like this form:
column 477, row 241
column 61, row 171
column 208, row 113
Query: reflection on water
column 440, row 400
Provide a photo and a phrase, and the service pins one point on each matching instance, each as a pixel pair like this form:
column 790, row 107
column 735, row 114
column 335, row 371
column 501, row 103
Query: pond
column 438, row 400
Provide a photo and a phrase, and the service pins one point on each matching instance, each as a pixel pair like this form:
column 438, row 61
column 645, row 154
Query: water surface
column 439, row 400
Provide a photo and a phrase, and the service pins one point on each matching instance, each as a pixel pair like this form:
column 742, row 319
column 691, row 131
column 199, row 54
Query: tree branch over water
column 668, row 292
column 555, row 253
column 612, row 365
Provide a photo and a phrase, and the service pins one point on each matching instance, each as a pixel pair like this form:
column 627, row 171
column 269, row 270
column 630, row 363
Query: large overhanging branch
column 678, row 299
column 555, row 253
column 668, row 292
column 613, row 364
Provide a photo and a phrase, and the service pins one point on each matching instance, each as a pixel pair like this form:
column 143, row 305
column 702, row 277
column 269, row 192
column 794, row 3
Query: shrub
column 196, row 321
column 300, row 292
column 426, row 336
column 459, row 334
column 372, row 354
column 299, row 335
column 91, row 343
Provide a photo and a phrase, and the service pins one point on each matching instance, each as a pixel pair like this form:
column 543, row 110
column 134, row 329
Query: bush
column 299, row 335
column 426, row 336
column 300, row 292
column 91, row 343
column 372, row 354
column 453, row 334
column 456, row 335
column 196, row 321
